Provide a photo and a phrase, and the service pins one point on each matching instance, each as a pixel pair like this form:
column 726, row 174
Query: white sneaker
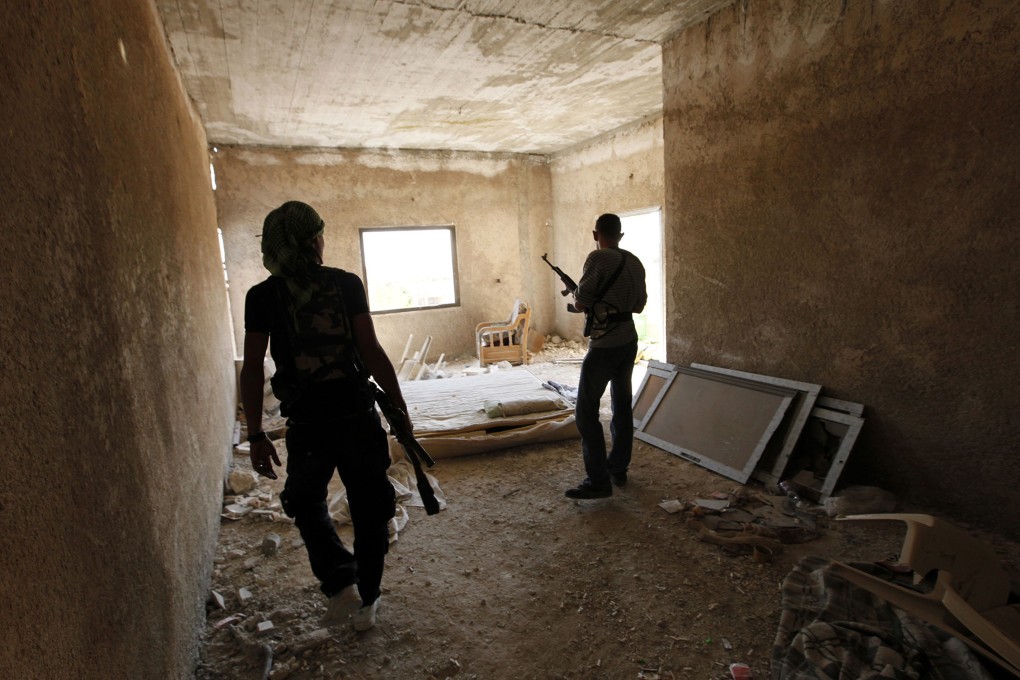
column 364, row 618
column 341, row 606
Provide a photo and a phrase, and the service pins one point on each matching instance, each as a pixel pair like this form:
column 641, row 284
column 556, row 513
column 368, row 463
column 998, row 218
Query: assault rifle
column 567, row 281
column 412, row 449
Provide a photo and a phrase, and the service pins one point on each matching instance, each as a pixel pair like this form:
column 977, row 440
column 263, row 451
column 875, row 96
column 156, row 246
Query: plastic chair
column 971, row 592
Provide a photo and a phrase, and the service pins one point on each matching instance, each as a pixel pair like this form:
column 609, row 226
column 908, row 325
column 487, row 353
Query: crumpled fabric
column 832, row 629
column 501, row 408
column 401, row 476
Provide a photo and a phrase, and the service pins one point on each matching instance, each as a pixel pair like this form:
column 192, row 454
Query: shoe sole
column 589, row 497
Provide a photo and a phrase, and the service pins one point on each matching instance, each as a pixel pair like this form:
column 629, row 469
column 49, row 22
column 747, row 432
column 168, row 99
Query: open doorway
column 643, row 236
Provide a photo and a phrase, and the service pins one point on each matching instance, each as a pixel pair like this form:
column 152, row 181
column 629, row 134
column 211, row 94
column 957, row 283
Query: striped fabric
column 627, row 294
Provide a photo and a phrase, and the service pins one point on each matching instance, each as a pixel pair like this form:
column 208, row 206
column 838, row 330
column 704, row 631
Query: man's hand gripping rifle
column 414, row 451
column 567, row 281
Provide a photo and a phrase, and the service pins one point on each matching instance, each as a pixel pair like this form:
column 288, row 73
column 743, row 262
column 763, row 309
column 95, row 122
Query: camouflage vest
column 321, row 340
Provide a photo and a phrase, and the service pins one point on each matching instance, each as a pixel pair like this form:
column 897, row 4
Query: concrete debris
column 243, row 595
column 860, row 500
column 235, row 511
column 283, row 670
column 230, row 619
column 241, row 481
column 265, row 626
column 271, row 544
column 258, row 503
column 217, row 600
column 272, row 516
column 310, row 641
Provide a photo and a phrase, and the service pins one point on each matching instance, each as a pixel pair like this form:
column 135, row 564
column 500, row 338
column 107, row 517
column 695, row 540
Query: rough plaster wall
column 497, row 204
column 842, row 209
column 117, row 394
column 621, row 172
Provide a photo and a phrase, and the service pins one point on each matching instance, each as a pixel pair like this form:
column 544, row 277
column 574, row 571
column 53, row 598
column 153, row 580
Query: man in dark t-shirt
column 316, row 322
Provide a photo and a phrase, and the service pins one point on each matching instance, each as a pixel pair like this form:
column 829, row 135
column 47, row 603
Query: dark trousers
column 611, row 366
column 356, row 447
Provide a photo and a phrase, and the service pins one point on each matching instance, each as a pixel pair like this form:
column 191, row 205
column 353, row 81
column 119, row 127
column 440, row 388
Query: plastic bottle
column 787, row 488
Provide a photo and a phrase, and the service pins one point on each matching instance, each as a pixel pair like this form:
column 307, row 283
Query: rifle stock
column 412, row 449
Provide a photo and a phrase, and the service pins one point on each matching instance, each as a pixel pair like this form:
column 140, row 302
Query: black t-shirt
column 266, row 311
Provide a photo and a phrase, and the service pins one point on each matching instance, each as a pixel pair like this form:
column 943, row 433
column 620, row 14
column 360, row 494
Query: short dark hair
column 609, row 225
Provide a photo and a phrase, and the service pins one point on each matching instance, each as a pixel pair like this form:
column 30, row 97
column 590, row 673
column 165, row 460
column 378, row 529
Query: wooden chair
column 505, row 340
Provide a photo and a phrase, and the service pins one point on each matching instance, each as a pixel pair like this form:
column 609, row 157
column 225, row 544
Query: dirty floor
column 513, row 580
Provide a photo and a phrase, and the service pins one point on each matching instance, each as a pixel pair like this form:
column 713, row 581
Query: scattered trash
column 267, row 660
column 790, row 492
column 740, row 671
column 860, row 500
column 745, row 540
column 243, row 595
column 264, row 626
column 714, row 505
column 762, row 554
column 746, row 523
column 672, row 506
column 217, row 599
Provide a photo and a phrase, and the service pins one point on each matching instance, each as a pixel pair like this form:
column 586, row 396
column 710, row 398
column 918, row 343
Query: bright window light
column 410, row 267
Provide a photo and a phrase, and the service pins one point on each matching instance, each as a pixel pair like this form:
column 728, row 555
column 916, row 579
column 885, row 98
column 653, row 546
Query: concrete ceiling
column 519, row 76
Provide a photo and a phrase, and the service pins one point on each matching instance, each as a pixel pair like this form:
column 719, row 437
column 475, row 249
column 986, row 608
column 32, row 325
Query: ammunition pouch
column 602, row 319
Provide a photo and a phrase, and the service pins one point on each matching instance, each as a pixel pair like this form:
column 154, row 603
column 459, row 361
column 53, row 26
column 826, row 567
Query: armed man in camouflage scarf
column 315, row 321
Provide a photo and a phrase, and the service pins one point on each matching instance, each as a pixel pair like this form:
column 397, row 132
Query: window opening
column 409, row 267
column 226, row 287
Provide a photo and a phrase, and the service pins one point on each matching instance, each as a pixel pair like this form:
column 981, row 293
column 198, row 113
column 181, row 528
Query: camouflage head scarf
column 288, row 249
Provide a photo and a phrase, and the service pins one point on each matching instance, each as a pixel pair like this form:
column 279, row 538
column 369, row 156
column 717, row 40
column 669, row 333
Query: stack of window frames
column 741, row 424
